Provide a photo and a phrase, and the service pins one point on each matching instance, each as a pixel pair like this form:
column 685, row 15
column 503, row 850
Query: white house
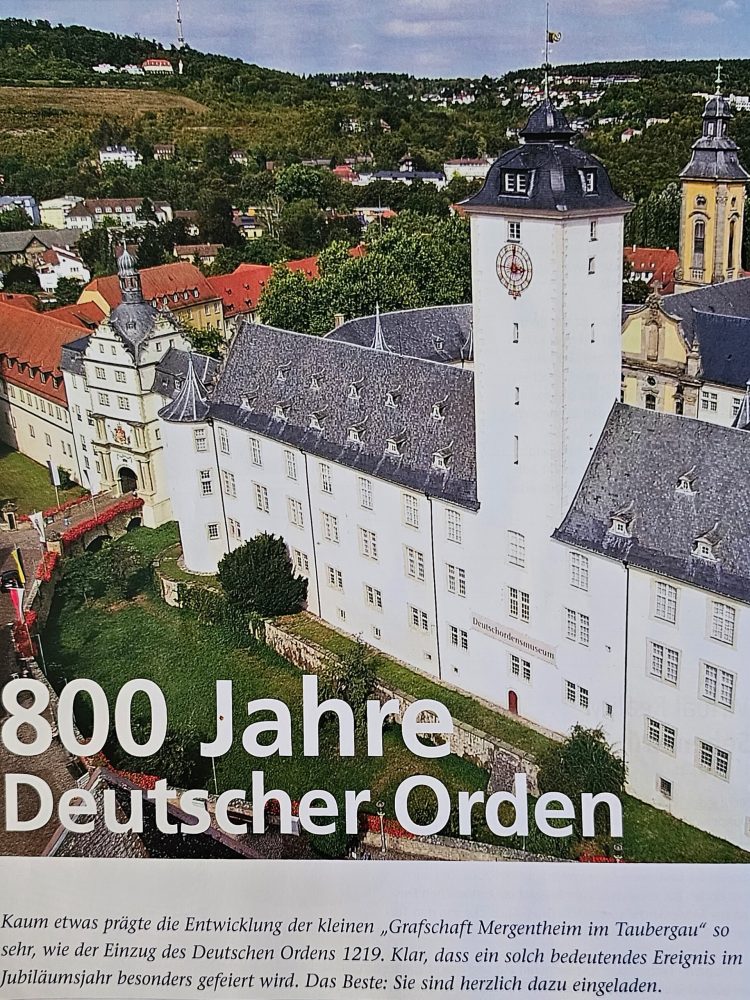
column 59, row 263
column 472, row 168
column 130, row 158
column 507, row 525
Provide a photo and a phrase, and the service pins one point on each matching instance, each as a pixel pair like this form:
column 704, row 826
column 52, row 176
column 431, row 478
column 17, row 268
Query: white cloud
column 700, row 18
column 730, row 7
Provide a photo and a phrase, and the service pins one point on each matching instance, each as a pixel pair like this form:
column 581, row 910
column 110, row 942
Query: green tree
column 13, row 220
column 299, row 183
column 351, row 678
column 258, row 577
column 209, row 341
column 68, row 291
column 264, row 250
column 97, row 252
column 215, row 221
column 22, row 279
column 585, row 762
column 286, row 300
column 302, row 227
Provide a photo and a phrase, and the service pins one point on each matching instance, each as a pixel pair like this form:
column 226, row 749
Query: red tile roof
column 84, row 314
column 157, row 282
column 19, row 300
column 659, row 264
column 30, row 345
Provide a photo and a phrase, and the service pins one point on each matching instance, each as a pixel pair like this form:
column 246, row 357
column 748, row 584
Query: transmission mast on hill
column 180, row 33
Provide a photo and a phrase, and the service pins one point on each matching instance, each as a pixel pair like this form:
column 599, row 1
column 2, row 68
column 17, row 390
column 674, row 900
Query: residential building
column 57, row 263
column 124, row 155
column 471, row 168
column 164, row 151
column 54, row 212
column 180, row 288
column 204, row 252
column 28, row 246
column 654, row 266
column 120, row 211
column 157, row 66
column 26, row 202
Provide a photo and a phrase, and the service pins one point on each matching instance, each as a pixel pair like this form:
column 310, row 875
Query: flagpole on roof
column 546, row 57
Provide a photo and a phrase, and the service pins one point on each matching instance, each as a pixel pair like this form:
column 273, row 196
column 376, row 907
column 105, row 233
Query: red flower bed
column 21, row 634
column 46, row 566
column 391, row 826
column 104, row 517
column 143, row 781
column 51, row 511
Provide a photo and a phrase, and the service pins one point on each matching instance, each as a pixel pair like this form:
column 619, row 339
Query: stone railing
column 483, row 749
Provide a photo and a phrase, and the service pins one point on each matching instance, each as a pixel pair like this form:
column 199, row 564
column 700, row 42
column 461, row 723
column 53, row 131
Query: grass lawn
column 28, row 484
column 169, row 566
column 650, row 834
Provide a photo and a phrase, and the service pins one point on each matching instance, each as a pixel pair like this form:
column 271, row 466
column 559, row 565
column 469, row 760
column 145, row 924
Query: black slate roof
column 638, row 461
column 715, row 155
column 555, row 172
column 437, row 333
column 728, row 298
column 71, row 356
column 249, row 390
column 724, row 343
column 171, row 371
column 133, row 322
column 191, row 403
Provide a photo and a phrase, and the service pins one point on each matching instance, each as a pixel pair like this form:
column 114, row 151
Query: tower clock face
column 514, row 268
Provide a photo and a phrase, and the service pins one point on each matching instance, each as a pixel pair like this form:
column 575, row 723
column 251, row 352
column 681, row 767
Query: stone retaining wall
column 466, row 741
column 450, row 849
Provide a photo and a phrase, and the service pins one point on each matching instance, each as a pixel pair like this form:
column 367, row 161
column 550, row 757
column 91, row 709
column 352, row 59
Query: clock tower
column 547, row 238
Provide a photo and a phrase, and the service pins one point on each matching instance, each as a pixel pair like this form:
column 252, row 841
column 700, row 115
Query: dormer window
column 588, row 181
column 704, row 549
column 442, row 459
column 354, row 435
column 393, row 399
column 355, row 390
column 178, row 384
column 621, row 521
column 395, row 445
column 437, row 411
column 686, row 483
column 281, row 411
column 516, row 182
column 315, row 381
column 316, row 420
column 281, row 372
column 246, row 401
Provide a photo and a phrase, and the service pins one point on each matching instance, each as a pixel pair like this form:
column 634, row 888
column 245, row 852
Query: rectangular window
column 714, row 759
column 576, row 695
column 665, row 603
column 32, row 432
column 718, row 686
column 593, row 227
column 519, row 605
column 223, row 441
column 48, row 440
column 516, row 548
column 411, row 511
column 579, row 571
column 207, row 486
column 230, row 487
column 723, row 617
column 592, row 265
column 213, row 531
column 261, row 498
column 301, row 562
column 709, row 401
column 459, row 637
column 418, row 619
column 368, row 543
column 453, row 530
column 577, row 626
column 123, row 402
column 660, row 735
column 373, row 597
column 325, row 478
column 100, row 373
column 235, row 531
column 514, row 232
column 290, row 462
column 664, row 663
column 515, row 182
column 736, row 404
column 295, row 512
column 199, row 439
column 103, row 399
column 520, row 668
column 365, row 492
column 119, row 376
column 414, row 564
column 255, row 453
column 515, row 333
column 335, row 578
column 330, row 527
column 456, row 580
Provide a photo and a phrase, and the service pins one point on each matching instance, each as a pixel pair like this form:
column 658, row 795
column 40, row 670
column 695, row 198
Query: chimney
column 338, row 320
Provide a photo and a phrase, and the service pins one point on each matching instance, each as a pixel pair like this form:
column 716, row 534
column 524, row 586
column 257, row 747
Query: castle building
column 116, row 380
column 478, row 504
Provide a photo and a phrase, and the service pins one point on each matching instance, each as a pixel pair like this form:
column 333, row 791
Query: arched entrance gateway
column 127, row 479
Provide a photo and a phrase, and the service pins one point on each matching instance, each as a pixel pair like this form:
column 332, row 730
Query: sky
column 422, row 37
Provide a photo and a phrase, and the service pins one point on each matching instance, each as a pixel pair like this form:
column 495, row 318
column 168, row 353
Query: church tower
column 713, row 202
